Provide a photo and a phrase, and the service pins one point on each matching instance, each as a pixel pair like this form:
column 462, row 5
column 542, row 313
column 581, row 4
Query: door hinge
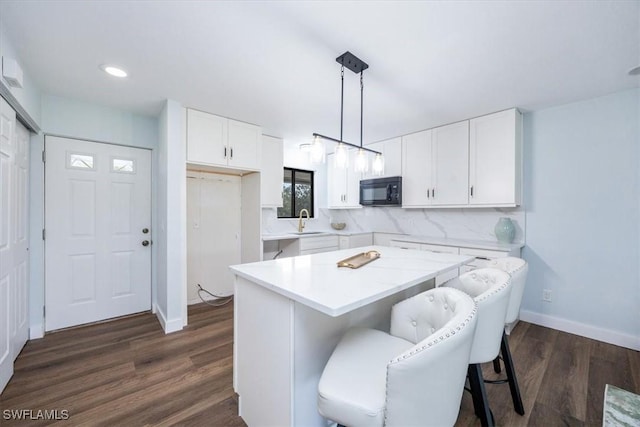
column 44, row 234
column 44, row 157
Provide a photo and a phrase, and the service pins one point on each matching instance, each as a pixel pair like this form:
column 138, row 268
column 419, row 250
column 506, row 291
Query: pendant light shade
column 317, row 153
column 377, row 167
column 361, row 162
column 341, row 157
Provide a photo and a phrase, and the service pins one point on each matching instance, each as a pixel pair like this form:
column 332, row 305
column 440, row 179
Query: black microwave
column 381, row 191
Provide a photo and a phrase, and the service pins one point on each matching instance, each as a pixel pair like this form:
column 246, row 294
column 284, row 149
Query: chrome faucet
column 300, row 223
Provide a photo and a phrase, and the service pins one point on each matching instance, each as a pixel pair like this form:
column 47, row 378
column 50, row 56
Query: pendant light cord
column 361, row 106
column 341, row 98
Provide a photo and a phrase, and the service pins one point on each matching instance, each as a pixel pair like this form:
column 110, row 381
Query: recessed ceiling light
column 635, row 71
column 113, row 70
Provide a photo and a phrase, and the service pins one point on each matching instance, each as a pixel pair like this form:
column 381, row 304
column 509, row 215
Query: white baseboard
column 36, row 332
column 576, row 328
column 169, row 326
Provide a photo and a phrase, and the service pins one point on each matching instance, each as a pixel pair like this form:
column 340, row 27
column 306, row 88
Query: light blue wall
column 583, row 212
column 29, row 95
column 79, row 119
column 82, row 120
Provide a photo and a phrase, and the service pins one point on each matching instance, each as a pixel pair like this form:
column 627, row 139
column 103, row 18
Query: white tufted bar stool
column 518, row 269
column 490, row 289
column 413, row 376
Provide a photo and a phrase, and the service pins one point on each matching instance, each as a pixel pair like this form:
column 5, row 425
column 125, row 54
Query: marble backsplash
column 467, row 223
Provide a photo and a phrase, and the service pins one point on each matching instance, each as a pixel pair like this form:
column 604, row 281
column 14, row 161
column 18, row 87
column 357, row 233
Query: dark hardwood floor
column 129, row 373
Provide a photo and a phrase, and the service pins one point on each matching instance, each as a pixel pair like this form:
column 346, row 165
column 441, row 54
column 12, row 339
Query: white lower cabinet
column 294, row 246
column 482, row 256
column 314, row 245
column 356, row 240
column 445, row 250
column 384, row 239
column 433, row 248
column 404, row 245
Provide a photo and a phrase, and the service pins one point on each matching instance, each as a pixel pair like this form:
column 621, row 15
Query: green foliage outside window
column 297, row 193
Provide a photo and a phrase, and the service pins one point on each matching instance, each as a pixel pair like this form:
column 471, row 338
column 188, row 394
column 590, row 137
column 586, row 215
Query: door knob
column 145, row 243
column 145, row 230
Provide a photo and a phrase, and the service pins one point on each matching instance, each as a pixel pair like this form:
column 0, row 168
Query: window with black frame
column 297, row 193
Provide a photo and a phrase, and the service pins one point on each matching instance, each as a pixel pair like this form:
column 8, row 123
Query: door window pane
column 122, row 165
column 80, row 161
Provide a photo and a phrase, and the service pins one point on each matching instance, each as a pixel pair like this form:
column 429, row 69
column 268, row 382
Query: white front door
column 98, row 238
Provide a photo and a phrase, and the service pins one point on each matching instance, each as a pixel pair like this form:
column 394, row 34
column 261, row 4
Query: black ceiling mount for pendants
column 355, row 64
column 352, row 62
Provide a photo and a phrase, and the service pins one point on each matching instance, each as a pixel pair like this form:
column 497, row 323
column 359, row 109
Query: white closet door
column 213, row 232
column 97, row 221
column 7, row 225
column 20, row 289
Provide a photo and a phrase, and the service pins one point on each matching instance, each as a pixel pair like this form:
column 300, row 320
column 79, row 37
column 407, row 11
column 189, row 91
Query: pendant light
column 377, row 167
column 361, row 162
column 341, row 156
column 317, row 152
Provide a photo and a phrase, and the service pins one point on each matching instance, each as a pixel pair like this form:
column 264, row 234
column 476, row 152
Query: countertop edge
column 335, row 312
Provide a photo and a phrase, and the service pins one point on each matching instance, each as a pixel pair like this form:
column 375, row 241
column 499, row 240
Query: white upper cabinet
column 391, row 149
column 495, row 162
column 450, row 165
column 416, row 169
column 271, row 171
column 206, row 138
column 434, row 167
column 343, row 185
column 214, row 140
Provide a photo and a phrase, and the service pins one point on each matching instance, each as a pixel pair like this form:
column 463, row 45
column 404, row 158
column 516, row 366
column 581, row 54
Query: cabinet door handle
column 225, row 152
column 472, row 191
column 232, row 152
column 428, row 193
column 433, row 193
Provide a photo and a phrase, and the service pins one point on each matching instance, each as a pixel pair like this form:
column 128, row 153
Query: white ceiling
column 273, row 62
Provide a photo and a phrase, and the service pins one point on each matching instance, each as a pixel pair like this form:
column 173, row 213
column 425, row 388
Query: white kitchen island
column 290, row 314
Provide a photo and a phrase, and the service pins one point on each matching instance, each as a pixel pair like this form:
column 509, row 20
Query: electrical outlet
column 546, row 295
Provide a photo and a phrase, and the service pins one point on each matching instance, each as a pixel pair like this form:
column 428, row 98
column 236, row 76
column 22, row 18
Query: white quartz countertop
column 461, row 243
column 316, row 281
column 286, row 236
